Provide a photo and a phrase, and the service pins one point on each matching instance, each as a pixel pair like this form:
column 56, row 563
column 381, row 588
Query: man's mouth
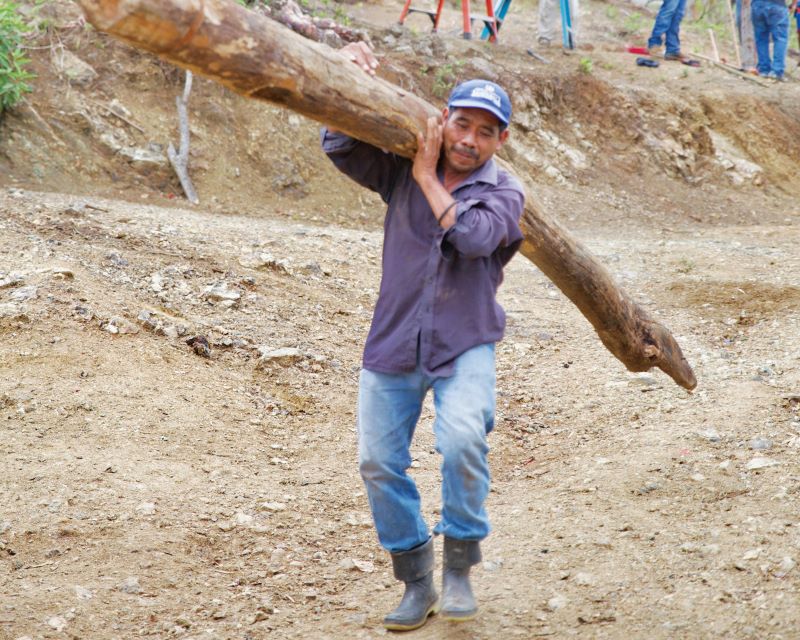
column 467, row 153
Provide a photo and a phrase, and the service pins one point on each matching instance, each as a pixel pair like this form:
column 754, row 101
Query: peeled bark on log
column 259, row 58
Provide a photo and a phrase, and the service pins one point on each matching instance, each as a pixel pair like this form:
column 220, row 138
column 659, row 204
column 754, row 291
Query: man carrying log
column 451, row 226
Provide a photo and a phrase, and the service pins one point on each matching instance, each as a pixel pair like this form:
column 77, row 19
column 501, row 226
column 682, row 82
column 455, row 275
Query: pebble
column 24, row 293
column 130, row 585
column 263, row 260
column 648, row 488
column 492, row 565
column 359, row 520
column 121, row 326
column 709, row 434
column 11, row 280
column 273, row 506
column 557, row 602
column 63, row 273
column 283, row 356
column 156, row 283
column 200, row 346
column 12, row 311
column 787, row 564
column 82, row 593
column 146, row 508
column 243, row 518
column 171, row 332
column 584, row 579
column 760, row 443
column 761, row 463
column 58, row 623
column 221, row 293
column 365, row 566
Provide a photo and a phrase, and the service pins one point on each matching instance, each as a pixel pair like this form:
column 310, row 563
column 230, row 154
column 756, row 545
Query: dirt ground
column 153, row 488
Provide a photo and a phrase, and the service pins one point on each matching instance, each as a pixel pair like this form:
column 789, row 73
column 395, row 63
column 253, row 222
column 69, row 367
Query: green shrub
column 12, row 57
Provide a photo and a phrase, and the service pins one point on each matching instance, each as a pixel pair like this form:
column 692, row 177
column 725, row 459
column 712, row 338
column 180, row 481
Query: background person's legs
column 673, row 32
column 779, row 30
column 761, row 32
column 549, row 29
column 662, row 22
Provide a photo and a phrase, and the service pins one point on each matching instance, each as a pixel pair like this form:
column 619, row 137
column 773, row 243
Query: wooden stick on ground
column 731, row 69
column 259, row 58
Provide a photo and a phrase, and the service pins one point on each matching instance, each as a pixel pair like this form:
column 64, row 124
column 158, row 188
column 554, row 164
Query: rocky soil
column 178, row 389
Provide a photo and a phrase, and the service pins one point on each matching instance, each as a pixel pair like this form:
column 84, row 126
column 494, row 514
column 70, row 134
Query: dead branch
column 180, row 159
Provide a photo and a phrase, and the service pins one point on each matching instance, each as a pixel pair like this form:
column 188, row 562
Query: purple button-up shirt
column 437, row 294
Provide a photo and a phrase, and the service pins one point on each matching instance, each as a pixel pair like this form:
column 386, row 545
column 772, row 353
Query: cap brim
column 478, row 104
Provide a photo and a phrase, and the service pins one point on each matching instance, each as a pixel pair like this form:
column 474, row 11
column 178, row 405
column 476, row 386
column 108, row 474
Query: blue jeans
column 668, row 22
column 389, row 406
column 770, row 20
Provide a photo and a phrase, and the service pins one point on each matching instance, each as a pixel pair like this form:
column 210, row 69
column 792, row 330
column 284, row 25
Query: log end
column 663, row 351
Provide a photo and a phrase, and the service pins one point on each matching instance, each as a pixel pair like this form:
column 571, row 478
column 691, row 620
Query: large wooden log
column 259, row 58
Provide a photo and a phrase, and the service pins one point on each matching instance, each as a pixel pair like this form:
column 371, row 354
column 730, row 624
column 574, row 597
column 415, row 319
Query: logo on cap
column 486, row 92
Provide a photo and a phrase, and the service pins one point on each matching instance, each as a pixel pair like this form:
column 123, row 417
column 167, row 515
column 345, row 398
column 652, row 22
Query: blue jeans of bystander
column 389, row 406
column 668, row 24
column 770, row 21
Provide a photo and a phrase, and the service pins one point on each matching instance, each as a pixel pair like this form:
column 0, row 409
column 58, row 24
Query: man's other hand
column 361, row 54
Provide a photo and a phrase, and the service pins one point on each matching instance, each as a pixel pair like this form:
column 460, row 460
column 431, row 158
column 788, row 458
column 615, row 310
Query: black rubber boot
column 458, row 603
column 420, row 600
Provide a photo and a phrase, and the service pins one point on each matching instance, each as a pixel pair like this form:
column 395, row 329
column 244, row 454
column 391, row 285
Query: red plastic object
column 639, row 51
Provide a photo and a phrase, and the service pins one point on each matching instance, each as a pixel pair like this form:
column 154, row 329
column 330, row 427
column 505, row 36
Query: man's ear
column 445, row 113
column 503, row 135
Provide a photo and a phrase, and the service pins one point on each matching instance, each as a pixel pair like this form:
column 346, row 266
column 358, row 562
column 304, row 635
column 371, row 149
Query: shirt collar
column 487, row 173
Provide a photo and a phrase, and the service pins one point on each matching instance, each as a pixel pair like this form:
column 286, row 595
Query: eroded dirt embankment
column 102, row 116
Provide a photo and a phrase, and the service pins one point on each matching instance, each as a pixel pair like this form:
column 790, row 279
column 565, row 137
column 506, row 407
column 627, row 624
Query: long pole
column 735, row 34
column 713, row 45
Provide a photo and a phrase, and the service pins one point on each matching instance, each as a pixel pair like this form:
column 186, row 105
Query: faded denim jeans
column 668, row 24
column 389, row 406
column 770, row 21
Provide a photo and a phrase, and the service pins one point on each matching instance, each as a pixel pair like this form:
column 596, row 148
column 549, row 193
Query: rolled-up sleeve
column 369, row 166
column 484, row 225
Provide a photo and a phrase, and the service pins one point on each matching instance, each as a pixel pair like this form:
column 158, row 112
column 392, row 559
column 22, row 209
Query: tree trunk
column 259, row 58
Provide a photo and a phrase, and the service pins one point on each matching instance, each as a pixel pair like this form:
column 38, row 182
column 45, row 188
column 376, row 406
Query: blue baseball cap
column 482, row 94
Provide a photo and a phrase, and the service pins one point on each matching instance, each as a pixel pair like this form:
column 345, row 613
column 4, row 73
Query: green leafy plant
column 585, row 66
column 634, row 22
column 445, row 77
column 12, row 57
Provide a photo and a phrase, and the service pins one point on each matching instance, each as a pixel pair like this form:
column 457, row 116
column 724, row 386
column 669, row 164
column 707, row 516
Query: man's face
column 471, row 136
